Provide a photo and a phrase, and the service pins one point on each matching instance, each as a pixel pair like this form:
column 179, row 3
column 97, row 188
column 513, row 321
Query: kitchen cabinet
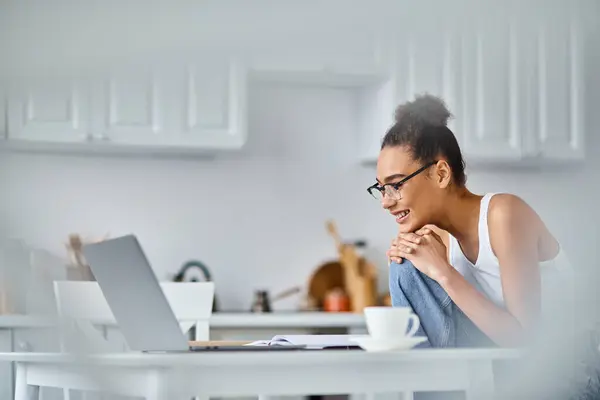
column 514, row 87
column 559, row 86
column 34, row 339
column 39, row 340
column 6, row 369
column 512, row 77
column 190, row 105
column 195, row 105
column 493, row 67
column 54, row 110
column 422, row 60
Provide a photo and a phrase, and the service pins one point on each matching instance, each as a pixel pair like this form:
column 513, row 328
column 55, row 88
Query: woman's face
column 414, row 203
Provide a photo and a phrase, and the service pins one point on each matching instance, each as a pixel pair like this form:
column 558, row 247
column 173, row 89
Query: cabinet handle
column 24, row 346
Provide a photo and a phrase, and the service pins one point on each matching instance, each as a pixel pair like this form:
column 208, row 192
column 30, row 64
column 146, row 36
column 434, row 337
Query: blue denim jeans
column 442, row 322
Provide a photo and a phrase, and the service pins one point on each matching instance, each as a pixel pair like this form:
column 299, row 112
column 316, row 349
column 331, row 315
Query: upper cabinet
column 192, row 105
column 511, row 74
column 492, row 79
column 513, row 84
column 559, row 116
column 48, row 110
column 187, row 105
column 420, row 61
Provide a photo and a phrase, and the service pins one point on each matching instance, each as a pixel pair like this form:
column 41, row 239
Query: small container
column 262, row 302
column 336, row 301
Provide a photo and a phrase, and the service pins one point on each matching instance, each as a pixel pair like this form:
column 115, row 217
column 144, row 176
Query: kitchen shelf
column 227, row 320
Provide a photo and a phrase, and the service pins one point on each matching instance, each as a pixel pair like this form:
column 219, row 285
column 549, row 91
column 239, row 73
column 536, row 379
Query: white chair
column 191, row 303
column 84, row 306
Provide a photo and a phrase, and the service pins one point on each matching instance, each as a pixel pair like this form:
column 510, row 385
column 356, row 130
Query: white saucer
column 369, row 343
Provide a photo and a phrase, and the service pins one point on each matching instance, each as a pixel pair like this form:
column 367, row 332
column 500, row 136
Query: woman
column 468, row 265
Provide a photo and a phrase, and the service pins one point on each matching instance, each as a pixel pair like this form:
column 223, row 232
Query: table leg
column 201, row 332
column 155, row 386
column 22, row 390
column 481, row 380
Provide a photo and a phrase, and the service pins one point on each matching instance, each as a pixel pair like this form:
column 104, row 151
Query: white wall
column 257, row 218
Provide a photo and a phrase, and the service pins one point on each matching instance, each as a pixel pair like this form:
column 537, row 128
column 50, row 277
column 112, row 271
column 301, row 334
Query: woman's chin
column 409, row 226
column 406, row 228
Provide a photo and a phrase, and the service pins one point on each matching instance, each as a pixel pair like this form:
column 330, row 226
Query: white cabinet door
column 129, row 106
column 211, row 105
column 493, row 90
column 39, row 340
column 48, row 110
column 559, row 59
column 424, row 64
column 194, row 105
column 6, row 368
column 420, row 62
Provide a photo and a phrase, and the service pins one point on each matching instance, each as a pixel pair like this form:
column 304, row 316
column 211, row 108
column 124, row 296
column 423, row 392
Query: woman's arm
column 514, row 232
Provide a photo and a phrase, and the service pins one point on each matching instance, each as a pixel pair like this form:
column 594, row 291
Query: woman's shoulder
column 509, row 216
column 506, row 208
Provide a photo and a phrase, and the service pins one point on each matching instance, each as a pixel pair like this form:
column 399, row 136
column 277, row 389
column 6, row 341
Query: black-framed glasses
column 392, row 190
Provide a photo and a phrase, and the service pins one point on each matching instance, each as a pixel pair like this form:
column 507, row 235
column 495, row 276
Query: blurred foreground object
column 26, row 276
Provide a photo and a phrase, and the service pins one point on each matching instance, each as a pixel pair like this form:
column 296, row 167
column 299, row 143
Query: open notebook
column 310, row 341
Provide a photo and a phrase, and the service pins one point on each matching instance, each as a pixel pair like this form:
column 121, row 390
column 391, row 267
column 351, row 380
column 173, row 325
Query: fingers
column 400, row 249
column 406, row 245
column 394, row 255
column 424, row 231
column 428, row 232
column 400, row 252
column 411, row 237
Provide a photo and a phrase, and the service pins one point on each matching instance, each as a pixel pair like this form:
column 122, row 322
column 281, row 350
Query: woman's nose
column 386, row 202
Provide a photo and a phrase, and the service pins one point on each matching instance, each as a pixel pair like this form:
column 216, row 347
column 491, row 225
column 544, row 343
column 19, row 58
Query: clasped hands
column 424, row 249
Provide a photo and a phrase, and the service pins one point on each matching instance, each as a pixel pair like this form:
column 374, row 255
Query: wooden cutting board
column 360, row 276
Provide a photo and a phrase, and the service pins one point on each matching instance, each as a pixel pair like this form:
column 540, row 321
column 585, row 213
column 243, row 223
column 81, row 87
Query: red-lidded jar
column 336, row 301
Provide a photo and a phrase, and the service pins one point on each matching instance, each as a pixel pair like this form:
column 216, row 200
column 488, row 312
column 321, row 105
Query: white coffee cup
column 390, row 322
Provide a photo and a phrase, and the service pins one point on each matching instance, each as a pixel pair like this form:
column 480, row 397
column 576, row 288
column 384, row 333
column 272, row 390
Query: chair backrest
column 191, row 303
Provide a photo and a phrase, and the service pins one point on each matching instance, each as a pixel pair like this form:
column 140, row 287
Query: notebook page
column 310, row 341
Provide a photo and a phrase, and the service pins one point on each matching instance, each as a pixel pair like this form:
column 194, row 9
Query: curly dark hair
column 421, row 125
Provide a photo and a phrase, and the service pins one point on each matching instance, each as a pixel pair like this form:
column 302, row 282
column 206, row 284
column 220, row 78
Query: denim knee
column 406, row 278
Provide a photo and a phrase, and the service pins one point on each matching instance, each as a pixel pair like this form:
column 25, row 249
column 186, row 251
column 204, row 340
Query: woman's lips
column 402, row 216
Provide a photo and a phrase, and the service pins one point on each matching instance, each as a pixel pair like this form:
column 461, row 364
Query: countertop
column 227, row 320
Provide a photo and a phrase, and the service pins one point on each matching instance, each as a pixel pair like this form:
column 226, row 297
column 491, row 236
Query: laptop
column 138, row 303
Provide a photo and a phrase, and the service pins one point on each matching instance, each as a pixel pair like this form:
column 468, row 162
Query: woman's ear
column 443, row 174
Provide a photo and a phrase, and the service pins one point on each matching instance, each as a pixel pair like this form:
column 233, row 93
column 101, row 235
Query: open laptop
column 137, row 301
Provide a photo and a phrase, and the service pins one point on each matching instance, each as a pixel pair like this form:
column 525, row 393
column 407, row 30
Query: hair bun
column 424, row 109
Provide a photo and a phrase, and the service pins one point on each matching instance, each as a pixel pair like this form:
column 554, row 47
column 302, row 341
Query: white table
column 37, row 333
column 184, row 375
column 226, row 320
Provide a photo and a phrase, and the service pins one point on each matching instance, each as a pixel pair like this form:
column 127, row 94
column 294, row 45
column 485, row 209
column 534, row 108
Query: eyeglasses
column 392, row 190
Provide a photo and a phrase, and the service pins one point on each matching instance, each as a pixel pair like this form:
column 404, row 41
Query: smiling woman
column 468, row 265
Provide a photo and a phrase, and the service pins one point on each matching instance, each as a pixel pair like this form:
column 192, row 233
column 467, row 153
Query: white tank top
column 485, row 273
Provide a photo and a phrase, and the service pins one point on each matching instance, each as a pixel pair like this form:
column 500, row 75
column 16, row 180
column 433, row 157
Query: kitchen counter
column 229, row 320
